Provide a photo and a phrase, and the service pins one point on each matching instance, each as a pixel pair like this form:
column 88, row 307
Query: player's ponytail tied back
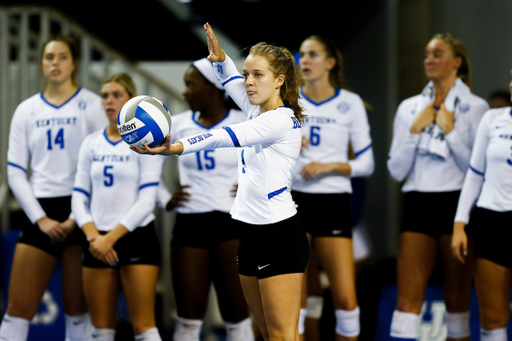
column 281, row 62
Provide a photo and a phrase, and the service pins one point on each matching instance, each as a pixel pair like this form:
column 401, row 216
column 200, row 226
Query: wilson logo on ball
column 144, row 119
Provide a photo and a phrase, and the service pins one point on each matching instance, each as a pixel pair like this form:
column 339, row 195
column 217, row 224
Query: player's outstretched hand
column 166, row 148
column 216, row 53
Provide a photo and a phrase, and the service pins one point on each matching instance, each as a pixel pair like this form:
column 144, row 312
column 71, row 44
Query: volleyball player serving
column 273, row 249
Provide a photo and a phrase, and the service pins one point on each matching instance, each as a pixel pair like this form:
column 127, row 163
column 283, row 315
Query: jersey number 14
column 58, row 140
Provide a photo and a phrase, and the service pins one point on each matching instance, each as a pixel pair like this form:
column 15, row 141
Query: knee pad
column 151, row 334
column 78, row 328
column 240, row 331
column 103, row 334
column 458, row 325
column 347, row 322
column 314, row 307
column 187, row 329
column 404, row 325
column 498, row 334
column 302, row 321
column 14, row 328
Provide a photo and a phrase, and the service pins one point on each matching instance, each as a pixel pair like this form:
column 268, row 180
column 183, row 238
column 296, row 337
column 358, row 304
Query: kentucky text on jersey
column 199, row 138
column 56, row 121
column 110, row 158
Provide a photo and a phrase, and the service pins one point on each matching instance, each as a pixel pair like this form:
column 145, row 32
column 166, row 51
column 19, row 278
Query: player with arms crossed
column 273, row 250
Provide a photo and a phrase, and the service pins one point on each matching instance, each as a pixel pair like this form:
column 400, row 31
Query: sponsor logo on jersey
column 464, row 108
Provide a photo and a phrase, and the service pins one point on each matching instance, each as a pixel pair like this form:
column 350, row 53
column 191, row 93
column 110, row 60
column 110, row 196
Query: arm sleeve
column 80, row 198
column 461, row 143
column 265, row 128
column 18, row 155
column 233, row 83
column 403, row 147
column 363, row 164
column 150, row 176
column 475, row 175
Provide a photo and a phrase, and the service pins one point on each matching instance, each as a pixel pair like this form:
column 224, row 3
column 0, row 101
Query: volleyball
column 144, row 119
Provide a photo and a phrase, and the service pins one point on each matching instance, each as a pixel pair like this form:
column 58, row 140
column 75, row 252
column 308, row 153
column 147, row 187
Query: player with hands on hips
column 204, row 240
column 273, row 249
column 45, row 136
column 485, row 206
column 113, row 201
column 433, row 135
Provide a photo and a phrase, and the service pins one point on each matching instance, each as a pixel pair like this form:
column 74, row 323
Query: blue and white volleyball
column 144, row 119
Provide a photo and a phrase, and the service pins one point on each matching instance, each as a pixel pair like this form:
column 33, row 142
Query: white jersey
column 424, row 172
column 50, row 137
column 211, row 174
column 489, row 178
column 114, row 185
column 269, row 148
column 330, row 126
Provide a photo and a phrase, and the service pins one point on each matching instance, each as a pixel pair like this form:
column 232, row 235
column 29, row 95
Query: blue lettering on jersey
column 110, row 158
column 199, row 138
column 56, row 121
column 505, row 136
column 296, row 122
column 219, row 68
column 320, row 120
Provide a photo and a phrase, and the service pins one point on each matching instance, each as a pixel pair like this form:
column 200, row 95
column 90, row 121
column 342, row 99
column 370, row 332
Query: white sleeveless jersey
column 49, row 137
column 114, row 185
column 330, row 126
column 269, row 146
column 489, row 178
column 211, row 174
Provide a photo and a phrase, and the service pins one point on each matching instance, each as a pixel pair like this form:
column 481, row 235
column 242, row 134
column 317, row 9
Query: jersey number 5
column 59, row 139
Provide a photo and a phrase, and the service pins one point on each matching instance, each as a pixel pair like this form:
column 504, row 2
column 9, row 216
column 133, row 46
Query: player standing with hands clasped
column 433, row 135
column 335, row 117
column 488, row 184
column 273, row 250
column 45, row 136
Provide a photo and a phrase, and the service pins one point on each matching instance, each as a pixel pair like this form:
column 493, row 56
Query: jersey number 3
column 59, row 139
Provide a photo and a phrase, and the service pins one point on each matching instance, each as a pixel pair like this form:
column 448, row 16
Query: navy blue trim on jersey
column 363, row 150
column 510, row 112
column 17, row 166
column 233, row 136
column 148, row 185
column 336, row 93
column 210, row 127
column 109, row 140
column 477, row 172
column 76, row 189
column 63, row 104
column 231, row 79
column 279, row 191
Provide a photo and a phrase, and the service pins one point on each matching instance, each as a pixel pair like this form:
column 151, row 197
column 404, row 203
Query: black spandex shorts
column 324, row 214
column 430, row 213
column 58, row 209
column 493, row 233
column 204, row 230
column 274, row 249
column 141, row 246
